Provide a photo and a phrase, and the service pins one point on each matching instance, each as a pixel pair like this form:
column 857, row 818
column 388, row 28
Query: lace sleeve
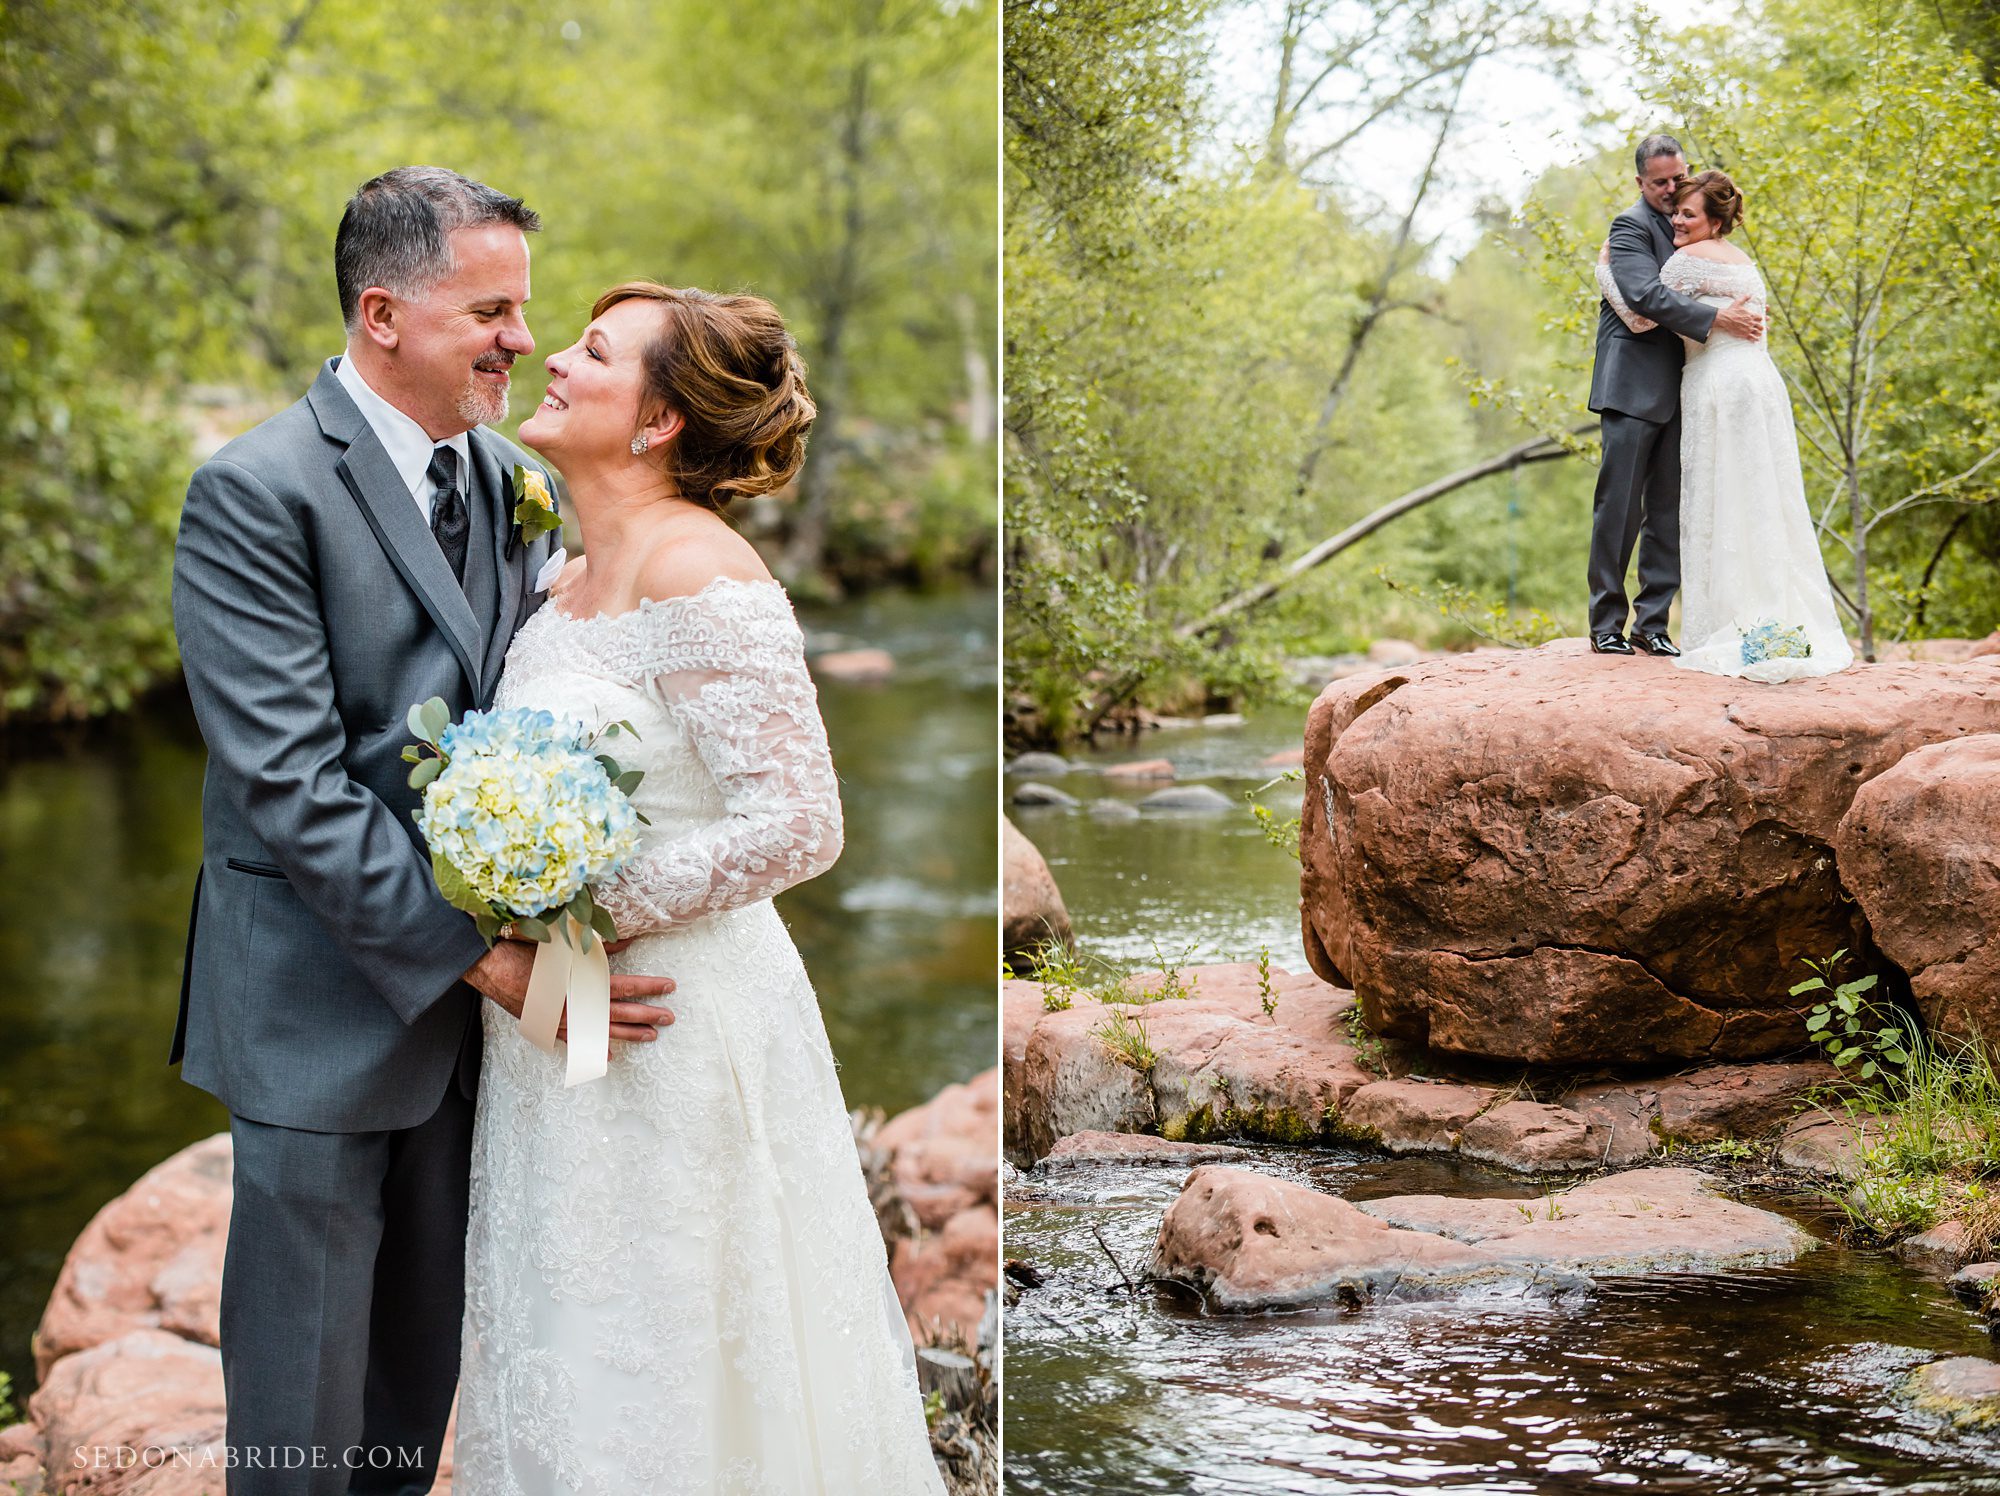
column 730, row 669
column 1607, row 287
column 1684, row 273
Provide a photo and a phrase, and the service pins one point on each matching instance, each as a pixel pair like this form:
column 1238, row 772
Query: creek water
column 100, row 834
column 1779, row 1379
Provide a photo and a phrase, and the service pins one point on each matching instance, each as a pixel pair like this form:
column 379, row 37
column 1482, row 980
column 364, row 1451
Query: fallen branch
column 1539, row 449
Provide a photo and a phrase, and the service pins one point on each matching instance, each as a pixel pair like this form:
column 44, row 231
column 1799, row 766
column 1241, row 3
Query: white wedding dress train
column 674, row 1279
column 1750, row 562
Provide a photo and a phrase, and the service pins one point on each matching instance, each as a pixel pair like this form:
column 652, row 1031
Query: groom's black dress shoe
column 1655, row 644
column 1609, row 644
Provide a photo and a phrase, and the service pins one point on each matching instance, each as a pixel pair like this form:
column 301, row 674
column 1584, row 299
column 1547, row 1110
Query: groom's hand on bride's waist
column 1739, row 321
column 502, row 975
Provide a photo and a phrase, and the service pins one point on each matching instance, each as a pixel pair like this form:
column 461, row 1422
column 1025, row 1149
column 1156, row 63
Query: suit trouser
column 342, row 1294
column 1638, row 501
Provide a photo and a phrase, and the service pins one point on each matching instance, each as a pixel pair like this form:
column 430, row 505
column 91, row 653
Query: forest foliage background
column 1226, row 348
column 171, row 176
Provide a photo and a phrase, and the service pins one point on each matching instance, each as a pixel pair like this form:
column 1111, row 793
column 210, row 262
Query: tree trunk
column 804, row 559
column 1864, row 611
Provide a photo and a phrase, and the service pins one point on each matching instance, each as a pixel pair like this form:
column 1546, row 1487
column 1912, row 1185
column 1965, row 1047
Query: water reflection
column 1782, row 1379
column 99, row 838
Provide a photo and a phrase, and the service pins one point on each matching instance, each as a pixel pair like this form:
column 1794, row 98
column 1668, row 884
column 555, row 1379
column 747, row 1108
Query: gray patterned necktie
column 451, row 520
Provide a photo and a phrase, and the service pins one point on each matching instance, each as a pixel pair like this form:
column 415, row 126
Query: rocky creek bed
column 1530, row 1182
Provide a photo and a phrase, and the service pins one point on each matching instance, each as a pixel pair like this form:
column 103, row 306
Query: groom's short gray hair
column 396, row 232
column 1653, row 146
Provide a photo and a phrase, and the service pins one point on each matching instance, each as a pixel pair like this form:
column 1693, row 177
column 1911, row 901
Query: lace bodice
column 674, row 1279
column 739, row 787
column 1706, row 279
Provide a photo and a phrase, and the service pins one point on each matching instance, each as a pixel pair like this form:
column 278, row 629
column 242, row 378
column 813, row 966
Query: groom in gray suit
column 352, row 556
column 1635, row 386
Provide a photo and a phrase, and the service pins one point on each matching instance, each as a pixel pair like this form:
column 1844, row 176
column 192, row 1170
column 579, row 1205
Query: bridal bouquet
column 1775, row 641
column 522, row 814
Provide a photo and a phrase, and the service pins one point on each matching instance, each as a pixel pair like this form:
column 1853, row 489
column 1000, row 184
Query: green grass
column 1125, row 1036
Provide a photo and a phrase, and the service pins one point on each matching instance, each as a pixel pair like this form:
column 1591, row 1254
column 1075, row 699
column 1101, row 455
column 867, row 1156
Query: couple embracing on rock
column 1700, row 466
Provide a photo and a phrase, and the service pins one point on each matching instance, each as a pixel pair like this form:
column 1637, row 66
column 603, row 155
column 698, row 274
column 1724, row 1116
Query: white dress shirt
column 409, row 446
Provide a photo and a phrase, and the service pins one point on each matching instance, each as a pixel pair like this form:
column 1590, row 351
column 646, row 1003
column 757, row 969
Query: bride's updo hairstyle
column 1720, row 200
column 728, row 368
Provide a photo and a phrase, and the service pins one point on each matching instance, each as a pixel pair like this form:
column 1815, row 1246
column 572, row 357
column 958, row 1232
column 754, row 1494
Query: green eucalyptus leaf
column 628, row 781
column 533, row 929
column 425, row 772
column 603, row 924
column 437, row 717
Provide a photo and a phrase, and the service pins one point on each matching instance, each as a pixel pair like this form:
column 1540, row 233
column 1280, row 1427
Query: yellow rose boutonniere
column 534, row 505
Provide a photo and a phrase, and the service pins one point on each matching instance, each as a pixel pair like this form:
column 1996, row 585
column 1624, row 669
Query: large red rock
column 1219, row 1063
column 148, row 1401
column 1965, row 1389
column 1032, row 909
column 1642, row 1221
column 945, row 1159
column 151, row 1259
column 1533, row 1137
column 1414, row 1116
column 1920, row 850
column 1247, row 1241
column 1565, row 858
column 1085, row 1148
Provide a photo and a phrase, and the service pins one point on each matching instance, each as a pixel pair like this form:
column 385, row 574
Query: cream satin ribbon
column 577, row 973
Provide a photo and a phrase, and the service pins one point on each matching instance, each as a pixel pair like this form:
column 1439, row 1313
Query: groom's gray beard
column 479, row 404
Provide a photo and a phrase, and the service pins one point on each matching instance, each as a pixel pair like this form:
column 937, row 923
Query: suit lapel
column 397, row 522
column 497, row 499
column 1663, row 234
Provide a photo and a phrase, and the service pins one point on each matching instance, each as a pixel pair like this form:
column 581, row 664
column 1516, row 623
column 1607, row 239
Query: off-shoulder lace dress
column 674, row 1278
column 1752, row 578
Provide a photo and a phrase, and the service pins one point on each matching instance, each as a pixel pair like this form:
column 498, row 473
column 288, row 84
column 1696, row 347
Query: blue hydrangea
column 525, row 812
column 1775, row 641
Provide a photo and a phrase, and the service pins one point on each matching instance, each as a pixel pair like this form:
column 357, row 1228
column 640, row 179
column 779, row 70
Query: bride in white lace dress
column 674, row 1278
column 1755, row 601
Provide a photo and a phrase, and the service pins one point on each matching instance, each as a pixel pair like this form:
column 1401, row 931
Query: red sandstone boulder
column 1532, row 1137
column 144, row 1410
column 945, row 1159
column 942, row 1280
column 1247, row 1241
column 866, row 666
column 1145, row 768
column 151, row 1259
column 1643, row 1221
column 1218, row 1062
column 1564, row 858
column 1920, row 850
column 1032, row 909
column 1413, row 1116
column 1084, row 1148
column 945, row 1154
column 1965, row 1389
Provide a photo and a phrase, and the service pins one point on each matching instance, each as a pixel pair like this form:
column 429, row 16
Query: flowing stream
column 100, row 834
column 1782, row 1379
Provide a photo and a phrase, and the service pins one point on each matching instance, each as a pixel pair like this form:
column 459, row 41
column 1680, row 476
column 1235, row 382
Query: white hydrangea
column 524, row 812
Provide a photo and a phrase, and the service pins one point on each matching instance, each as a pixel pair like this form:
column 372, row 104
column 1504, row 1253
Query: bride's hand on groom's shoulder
column 502, row 975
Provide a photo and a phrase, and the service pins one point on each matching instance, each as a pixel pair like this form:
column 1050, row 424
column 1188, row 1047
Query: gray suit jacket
column 1639, row 373
column 314, row 608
